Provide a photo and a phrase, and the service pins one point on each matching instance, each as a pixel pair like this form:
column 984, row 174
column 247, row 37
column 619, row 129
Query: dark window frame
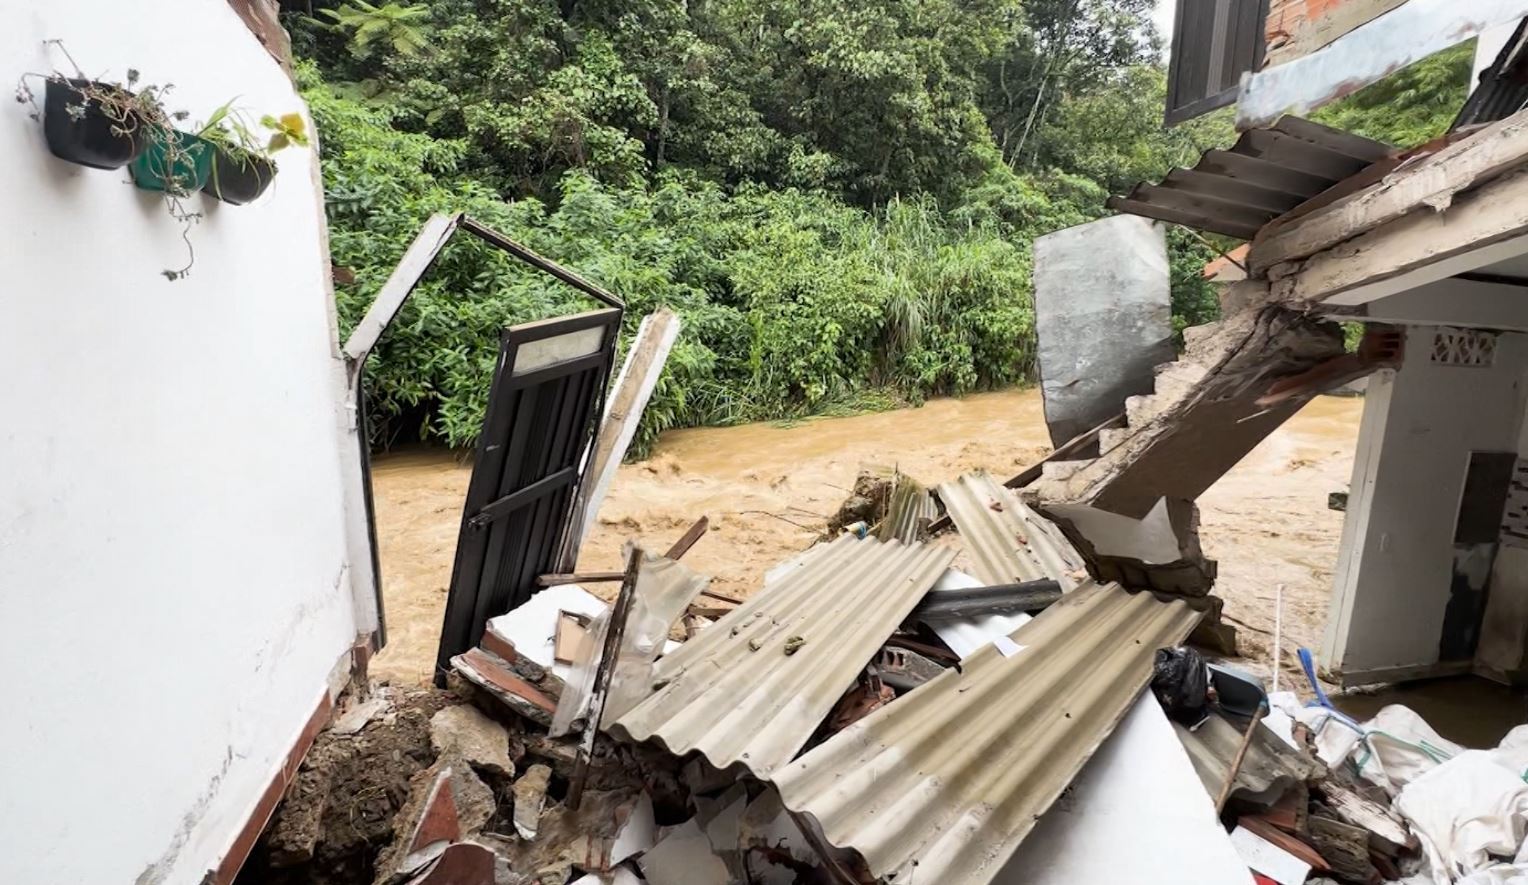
column 1178, row 109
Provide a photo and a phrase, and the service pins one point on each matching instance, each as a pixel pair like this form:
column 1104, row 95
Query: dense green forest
column 837, row 198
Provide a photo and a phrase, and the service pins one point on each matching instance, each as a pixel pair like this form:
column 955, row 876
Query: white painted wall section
column 175, row 562
column 1475, row 304
column 1393, row 575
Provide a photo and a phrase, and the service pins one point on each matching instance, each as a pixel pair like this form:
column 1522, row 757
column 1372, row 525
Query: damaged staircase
column 1204, row 415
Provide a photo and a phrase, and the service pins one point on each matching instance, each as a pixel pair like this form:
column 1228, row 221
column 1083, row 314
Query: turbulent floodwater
column 768, row 489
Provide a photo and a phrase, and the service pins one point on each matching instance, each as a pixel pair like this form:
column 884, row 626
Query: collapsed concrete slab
column 1103, row 318
column 1204, row 416
column 1159, row 552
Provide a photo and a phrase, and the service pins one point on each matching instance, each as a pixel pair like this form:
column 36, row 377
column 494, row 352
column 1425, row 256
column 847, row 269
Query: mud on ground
column 769, row 489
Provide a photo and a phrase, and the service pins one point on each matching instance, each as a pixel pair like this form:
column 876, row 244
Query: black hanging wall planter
column 92, row 124
column 238, row 177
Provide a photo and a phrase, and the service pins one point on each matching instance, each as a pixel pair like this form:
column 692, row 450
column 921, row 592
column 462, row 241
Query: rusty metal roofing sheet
column 943, row 784
column 750, row 689
column 1265, row 174
column 1007, row 541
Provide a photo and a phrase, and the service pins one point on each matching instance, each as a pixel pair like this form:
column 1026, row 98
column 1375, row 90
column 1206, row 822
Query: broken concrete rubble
column 879, row 783
column 530, row 799
column 466, row 733
column 446, row 803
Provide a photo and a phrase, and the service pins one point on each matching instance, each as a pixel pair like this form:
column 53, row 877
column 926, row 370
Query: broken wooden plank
column 1236, row 761
column 1481, row 227
column 561, row 578
column 1388, row 834
column 623, row 413
column 1345, row 848
column 1285, row 842
column 512, row 689
column 687, row 540
column 496, row 643
column 416, row 260
column 619, row 613
column 571, row 639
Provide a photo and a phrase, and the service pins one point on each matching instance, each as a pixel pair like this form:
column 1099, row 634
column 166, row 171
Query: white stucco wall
column 175, row 583
column 1393, row 575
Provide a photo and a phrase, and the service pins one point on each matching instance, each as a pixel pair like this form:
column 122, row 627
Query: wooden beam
column 623, row 412
column 604, row 669
column 1036, row 470
column 1482, row 227
column 416, row 259
column 688, row 539
column 1431, row 182
column 557, row 580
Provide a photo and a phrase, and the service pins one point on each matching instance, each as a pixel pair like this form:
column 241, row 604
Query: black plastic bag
column 1181, row 682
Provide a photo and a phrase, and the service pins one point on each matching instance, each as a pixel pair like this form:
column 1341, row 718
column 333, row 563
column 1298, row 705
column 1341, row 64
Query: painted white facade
column 1393, row 576
column 182, row 540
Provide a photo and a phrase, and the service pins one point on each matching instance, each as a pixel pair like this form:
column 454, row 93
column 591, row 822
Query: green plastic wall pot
column 181, row 169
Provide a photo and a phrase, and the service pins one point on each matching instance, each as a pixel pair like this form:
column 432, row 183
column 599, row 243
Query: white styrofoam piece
column 966, row 636
column 1137, row 814
column 639, row 834
column 533, row 626
column 723, row 822
column 622, row 875
column 1268, row 858
column 1006, row 646
column 683, row 857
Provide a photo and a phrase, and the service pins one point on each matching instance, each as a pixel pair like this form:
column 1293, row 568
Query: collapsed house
column 1424, row 246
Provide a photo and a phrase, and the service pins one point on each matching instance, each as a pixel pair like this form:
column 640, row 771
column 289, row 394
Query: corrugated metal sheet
column 909, row 510
column 943, row 784
column 1503, row 88
column 1265, row 174
column 750, row 689
column 1006, row 540
column 1269, row 768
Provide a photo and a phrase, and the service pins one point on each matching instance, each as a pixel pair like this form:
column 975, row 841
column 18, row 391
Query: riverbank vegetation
column 839, row 199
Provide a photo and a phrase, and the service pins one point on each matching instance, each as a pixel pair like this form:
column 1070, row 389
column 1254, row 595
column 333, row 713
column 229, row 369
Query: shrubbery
column 839, row 200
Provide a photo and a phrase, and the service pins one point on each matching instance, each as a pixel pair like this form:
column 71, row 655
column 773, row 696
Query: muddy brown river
column 768, row 489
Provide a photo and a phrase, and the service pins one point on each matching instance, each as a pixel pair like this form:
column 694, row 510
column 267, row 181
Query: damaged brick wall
column 1299, row 27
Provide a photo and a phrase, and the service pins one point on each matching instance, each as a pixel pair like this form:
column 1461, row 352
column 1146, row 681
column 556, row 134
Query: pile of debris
column 1316, row 796
column 899, row 710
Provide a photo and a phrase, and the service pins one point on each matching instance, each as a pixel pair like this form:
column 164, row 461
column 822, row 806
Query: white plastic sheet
column 664, row 590
column 1500, row 874
column 1390, row 751
column 1468, row 812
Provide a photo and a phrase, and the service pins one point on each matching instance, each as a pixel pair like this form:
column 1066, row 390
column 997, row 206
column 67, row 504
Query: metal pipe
column 999, row 599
